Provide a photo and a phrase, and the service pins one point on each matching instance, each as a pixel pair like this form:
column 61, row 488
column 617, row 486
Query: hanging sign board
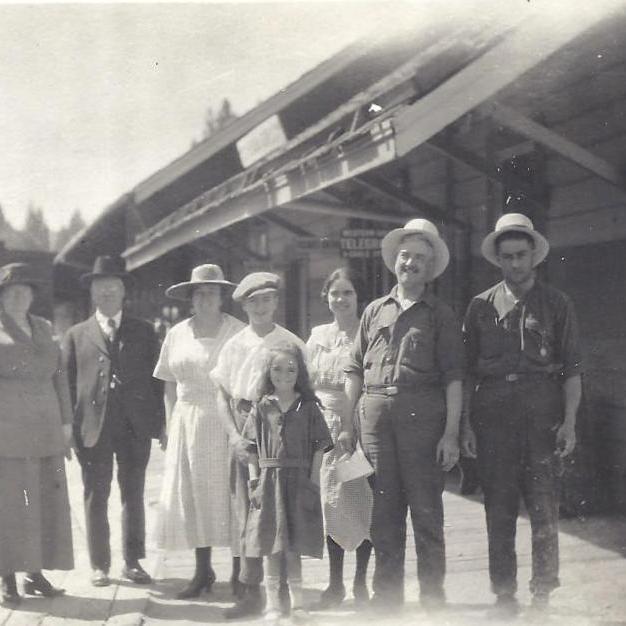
column 361, row 243
column 261, row 140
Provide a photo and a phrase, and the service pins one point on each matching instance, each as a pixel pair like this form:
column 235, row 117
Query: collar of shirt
column 103, row 321
column 428, row 297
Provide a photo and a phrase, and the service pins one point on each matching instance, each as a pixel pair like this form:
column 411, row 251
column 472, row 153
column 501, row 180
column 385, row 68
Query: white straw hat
column 517, row 223
column 423, row 228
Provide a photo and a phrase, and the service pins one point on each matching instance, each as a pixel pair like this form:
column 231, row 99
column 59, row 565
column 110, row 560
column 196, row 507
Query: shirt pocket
column 491, row 336
column 417, row 350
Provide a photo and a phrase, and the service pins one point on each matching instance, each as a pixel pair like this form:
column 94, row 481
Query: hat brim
column 255, row 292
column 488, row 246
column 33, row 284
column 391, row 241
column 183, row 291
column 86, row 279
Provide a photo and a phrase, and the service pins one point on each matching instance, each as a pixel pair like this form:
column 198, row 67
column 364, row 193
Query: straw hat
column 516, row 223
column 207, row 274
column 423, row 228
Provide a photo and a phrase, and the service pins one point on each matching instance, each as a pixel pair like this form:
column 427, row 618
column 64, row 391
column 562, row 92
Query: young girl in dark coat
column 291, row 435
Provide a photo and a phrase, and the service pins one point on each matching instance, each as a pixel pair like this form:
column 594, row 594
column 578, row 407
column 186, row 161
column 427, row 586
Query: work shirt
column 419, row 346
column 536, row 334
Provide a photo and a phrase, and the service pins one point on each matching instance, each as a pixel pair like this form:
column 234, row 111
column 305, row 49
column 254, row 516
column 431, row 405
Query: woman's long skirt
column 35, row 522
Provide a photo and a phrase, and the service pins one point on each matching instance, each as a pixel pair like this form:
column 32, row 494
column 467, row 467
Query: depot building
column 454, row 120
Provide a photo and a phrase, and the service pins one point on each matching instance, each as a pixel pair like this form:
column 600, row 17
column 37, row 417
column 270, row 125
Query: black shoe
column 284, row 598
column 197, row 585
column 135, row 573
column 331, row 597
column 251, row 604
column 10, row 598
column 361, row 594
column 540, row 602
column 100, row 578
column 238, row 588
column 506, row 607
column 433, row 601
column 37, row 584
column 386, row 604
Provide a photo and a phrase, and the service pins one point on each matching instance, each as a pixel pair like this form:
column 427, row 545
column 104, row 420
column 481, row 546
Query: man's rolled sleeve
column 354, row 364
column 571, row 356
column 450, row 348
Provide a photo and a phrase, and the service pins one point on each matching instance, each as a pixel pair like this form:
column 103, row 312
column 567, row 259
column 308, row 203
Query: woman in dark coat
column 35, row 432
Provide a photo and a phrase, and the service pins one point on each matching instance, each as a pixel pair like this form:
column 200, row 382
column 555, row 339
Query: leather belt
column 514, row 377
column 287, row 462
column 387, row 390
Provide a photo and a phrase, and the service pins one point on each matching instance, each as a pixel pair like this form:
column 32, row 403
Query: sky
column 94, row 98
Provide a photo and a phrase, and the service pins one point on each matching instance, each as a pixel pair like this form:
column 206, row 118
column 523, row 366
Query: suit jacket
column 34, row 399
column 88, row 363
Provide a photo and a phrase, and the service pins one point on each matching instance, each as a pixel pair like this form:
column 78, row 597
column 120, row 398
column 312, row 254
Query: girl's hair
column 303, row 382
column 347, row 273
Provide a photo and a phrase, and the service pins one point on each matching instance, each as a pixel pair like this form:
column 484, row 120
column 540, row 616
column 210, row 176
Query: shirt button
column 101, row 359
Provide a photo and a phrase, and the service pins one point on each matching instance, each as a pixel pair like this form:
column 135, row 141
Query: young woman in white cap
column 194, row 508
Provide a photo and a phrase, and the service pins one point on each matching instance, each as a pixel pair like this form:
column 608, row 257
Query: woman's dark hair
column 303, row 382
column 346, row 273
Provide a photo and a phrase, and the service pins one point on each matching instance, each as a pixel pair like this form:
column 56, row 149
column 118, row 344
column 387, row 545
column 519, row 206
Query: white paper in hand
column 352, row 466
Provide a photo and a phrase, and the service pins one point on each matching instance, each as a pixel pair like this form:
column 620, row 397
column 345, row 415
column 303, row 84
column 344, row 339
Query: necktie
column 111, row 327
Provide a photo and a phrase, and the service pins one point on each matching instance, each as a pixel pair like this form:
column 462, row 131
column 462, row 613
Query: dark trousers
column 116, row 440
column 399, row 435
column 515, row 425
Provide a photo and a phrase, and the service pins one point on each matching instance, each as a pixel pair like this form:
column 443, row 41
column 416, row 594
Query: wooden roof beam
column 452, row 150
column 410, row 201
column 322, row 208
column 285, row 224
column 568, row 149
column 533, row 41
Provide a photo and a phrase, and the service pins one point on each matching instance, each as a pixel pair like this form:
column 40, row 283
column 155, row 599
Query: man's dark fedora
column 107, row 266
column 19, row 274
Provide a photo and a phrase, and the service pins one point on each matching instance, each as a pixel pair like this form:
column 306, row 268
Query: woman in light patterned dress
column 347, row 507
column 194, row 507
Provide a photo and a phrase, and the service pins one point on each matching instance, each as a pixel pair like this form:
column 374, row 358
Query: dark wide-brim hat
column 207, row 274
column 105, row 267
column 518, row 223
column 20, row 274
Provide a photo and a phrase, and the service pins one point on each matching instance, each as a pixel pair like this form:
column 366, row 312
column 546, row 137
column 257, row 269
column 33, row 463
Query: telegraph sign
column 361, row 243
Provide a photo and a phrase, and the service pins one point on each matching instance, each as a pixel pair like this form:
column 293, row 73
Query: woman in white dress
column 194, row 507
column 347, row 507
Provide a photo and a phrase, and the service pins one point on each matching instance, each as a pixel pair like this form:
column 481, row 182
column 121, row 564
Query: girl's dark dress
column 285, row 508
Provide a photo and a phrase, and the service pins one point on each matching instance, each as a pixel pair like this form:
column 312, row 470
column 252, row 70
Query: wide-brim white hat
column 423, row 228
column 518, row 223
column 207, row 274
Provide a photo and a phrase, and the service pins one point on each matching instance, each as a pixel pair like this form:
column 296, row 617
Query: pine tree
column 36, row 232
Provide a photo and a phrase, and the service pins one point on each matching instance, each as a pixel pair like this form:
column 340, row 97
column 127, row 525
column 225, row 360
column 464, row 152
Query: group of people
column 253, row 422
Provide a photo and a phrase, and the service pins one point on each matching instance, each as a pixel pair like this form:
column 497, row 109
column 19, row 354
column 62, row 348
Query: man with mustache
column 405, row 373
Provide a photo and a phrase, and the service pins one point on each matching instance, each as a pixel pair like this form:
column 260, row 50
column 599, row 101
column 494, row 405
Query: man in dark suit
column 118, row 408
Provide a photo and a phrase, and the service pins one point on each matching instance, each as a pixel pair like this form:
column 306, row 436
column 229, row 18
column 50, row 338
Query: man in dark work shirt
column 523, row 392
column 406, row 368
